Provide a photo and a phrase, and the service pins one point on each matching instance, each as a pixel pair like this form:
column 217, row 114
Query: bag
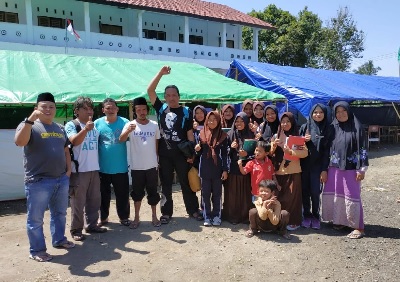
column 194, row 179
column 187, row 148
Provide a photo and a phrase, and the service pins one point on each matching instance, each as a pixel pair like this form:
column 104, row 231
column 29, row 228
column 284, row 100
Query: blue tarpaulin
column 304, row 87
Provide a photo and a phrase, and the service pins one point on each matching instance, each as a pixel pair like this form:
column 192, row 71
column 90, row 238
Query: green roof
column 24, row 75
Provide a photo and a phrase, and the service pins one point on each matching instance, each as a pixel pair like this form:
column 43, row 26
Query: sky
column 379, row 20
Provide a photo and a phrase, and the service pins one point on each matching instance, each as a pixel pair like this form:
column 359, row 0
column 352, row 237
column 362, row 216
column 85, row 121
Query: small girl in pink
column 260, row 168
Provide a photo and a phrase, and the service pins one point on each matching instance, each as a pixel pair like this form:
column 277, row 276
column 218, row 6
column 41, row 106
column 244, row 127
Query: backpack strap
column 70, row 146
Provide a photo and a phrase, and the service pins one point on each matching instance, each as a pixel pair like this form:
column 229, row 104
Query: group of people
column 275, row 186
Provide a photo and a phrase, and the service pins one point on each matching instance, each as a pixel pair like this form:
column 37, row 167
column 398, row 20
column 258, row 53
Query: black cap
column 45, row 97
column 139, row 101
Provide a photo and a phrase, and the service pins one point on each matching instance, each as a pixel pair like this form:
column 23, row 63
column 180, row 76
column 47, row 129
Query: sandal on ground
column 41, row 258
column 287, row 236
column 66, row 245
column 249, row 233
column 125, row 222
column 356, row 234
column 101, row 223
column 338, row 227
column 198, row 216
column 134, row 224
column 96, row 229
column 156, row 222
column 78, row 237
column 165, row 219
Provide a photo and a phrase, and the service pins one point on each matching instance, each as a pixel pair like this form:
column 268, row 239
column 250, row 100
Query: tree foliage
column 367, row 68
column 303, row 41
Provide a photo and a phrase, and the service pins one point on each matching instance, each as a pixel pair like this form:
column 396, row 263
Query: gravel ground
column 186, row 251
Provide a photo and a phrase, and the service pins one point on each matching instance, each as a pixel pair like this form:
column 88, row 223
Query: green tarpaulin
column 23, row 75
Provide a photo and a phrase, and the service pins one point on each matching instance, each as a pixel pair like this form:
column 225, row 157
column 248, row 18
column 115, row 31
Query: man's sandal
column 125, row 222
column 66, row 245
column 165, row 219
column 41, row 258
column 78, row 236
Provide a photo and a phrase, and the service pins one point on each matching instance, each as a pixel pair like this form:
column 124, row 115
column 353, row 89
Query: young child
column 267, row 215
column 260, row 168
column 213, row 167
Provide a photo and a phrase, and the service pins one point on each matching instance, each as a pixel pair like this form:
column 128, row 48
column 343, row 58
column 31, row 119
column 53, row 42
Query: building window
column 110, row 29
column 230, row 44
column 193, row 39
column 51, row 22
column 9, row 17
column 154, row 34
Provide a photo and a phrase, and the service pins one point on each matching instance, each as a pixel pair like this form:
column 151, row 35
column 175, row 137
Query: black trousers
column 170, row 161
column 211, row 192
column 311, row 191
column 120, row 182
column 145, row 179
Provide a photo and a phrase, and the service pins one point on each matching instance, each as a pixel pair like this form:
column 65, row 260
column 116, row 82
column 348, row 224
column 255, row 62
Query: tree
column 302, row 41
column 342, row 42
column 367, row 68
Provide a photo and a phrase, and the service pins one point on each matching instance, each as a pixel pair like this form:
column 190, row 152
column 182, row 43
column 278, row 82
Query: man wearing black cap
column 176, row 126
column 47, row 166
column 143, row 140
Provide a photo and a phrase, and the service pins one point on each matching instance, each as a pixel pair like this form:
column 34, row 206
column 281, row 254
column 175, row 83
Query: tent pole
column 130, row 107
column 397, row 112
column 236, row 74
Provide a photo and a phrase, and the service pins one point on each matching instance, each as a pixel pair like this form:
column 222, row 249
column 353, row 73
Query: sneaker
column 315, row 223
column 216, row 221
column 207, row 222
column 306, row 222
column 292, row 227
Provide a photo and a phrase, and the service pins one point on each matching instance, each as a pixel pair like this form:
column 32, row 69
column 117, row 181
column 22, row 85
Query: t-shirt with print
column 171, row 125
column 259, row 171
column 44, row 155
column 142, row 145
column 112, row 153
column 87, row 152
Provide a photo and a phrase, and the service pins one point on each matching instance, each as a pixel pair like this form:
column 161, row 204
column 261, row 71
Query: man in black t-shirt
column 176, row 126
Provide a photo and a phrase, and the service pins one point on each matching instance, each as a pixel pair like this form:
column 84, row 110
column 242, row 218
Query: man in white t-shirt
column 143, row 139
column 84, row 182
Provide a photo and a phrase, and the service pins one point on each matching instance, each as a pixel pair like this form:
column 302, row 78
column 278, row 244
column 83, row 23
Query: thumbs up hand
column 197, row 147
column 307, row 136
column 234, row 144
column 89, row 124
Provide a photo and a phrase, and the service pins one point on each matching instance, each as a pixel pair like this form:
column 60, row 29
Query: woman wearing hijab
column 247, row 107
column 269, row 127
column 288, row 172
column 258, row 113
column 341, row 198
column 227, row 116
column 199, row 116
column 213, row 169
column 315, row 166
column 237, row 188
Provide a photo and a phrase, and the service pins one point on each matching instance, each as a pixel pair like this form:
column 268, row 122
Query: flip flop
column 134, row 224
column 356, row 234
column 156, row 223
column 66, row 245
column 165, row 219
column 78, row 237
column 41, row 258
column 249, row 233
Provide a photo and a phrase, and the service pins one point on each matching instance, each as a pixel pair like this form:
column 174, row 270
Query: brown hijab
column 212, row 137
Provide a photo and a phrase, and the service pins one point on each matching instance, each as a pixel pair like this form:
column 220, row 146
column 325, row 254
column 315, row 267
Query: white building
column 174, row 30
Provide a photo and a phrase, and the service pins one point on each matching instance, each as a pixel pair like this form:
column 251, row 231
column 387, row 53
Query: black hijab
column 203, row 110
column 347, row 147
column 241, row 135
column 254, row 118
column 317, row 130
column 270, row 128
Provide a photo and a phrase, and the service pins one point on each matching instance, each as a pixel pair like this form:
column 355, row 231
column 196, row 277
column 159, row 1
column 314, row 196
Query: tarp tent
column 303, row 87
column 23, row 75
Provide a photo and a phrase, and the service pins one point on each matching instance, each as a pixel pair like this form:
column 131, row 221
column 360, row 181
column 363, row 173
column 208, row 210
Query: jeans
column 41, row 194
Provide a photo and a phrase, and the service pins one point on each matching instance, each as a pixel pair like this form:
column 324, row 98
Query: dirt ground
column 186, row 251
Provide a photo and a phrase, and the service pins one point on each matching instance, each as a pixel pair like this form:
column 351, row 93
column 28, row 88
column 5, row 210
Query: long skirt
column 341, row 199
column 290, row 196
column 237, row 199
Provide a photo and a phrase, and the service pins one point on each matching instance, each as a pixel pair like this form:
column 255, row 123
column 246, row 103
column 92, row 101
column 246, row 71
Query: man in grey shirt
column 47, row 164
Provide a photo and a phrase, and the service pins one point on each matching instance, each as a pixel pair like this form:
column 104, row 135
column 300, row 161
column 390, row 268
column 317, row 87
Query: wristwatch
column 26, row 120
